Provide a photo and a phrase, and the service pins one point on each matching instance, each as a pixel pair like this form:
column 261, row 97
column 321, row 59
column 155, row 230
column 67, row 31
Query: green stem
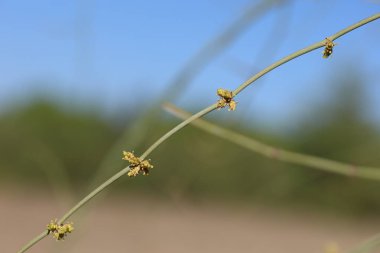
column 33, row 241
column 177, row 128
column 143, row 156
column 196, row 116
column 121, row 173
column 93, row 194
column 279, row 154
column 304, row 51
column 355, row 26
column 204, row 56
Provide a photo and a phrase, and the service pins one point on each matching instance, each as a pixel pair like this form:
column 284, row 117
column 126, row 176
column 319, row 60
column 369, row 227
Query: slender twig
column 120, row 173
column 205, row 55
column 201, row 114
column 177, row 128
column 143, row 156
column 278, row 153
column 182, row 79
column 304, row 51
column 33, row 241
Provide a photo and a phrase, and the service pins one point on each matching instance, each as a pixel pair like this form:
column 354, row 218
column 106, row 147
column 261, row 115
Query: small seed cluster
column 59, row 231
column 136, row 165
column 226, row 99
column 329, row 44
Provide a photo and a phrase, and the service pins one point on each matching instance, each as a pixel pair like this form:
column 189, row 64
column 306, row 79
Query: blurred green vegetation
column 42, row 137
column 44, row 143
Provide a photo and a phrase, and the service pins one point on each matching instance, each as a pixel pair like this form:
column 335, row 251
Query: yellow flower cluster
column 59, row 231
column 136, row 165
column 226, row 99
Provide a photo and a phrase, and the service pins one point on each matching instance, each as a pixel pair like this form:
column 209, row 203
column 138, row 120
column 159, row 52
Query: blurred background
column 81, row 81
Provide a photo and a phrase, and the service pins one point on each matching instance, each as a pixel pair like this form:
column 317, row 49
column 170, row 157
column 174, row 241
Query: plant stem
column 277, row 153
column 196, row 116
column 354, row 26
column 197, row 62
column 33, row 241
column 304, row 51
column 120, row 173
column 93, row 194
column 143, row 156
column 177, row 128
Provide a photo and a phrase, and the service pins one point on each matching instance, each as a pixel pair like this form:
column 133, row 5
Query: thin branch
column 277, row 153
column 33, row 241
column 186, row 74
column 198, row 115
column 304, row 51
column 121, row 173
column 178, row 127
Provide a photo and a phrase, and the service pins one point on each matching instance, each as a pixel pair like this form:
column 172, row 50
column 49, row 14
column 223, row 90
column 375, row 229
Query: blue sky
column 114, row 54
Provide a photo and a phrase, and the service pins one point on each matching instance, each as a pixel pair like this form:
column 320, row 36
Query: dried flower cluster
column 59, row 231
column 329, row 44
column 136, row 165
column 226, row 99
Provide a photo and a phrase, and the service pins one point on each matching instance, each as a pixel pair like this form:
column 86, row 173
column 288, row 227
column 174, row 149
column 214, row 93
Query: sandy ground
column 129, row 224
